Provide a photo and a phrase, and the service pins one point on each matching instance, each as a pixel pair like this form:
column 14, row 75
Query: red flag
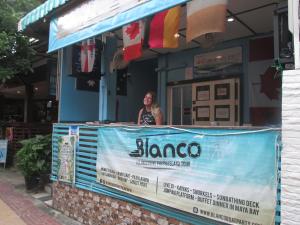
column 87, row 55
column 133, row 36
column 163, row 29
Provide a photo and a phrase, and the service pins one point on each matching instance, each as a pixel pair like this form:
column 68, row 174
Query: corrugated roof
column 39, row 12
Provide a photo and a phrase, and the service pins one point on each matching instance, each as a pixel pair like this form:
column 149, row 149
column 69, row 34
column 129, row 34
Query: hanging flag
column 163, row 29
column 205, row 16
column 87, row 55
column 133, row 37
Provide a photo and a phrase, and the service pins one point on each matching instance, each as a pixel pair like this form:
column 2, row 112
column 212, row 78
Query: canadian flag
column 87, row 55
column 133, row 37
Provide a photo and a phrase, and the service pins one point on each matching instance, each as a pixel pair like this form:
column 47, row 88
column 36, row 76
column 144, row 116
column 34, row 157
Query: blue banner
column 114, row 22
column 226, row 175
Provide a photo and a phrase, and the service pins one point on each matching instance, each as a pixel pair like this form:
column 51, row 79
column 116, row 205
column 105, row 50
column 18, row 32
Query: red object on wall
column 270, row 83
column 261, row 49
column 262, row 116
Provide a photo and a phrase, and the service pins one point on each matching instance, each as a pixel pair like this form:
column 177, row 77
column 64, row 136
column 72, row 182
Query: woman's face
column 148, row 99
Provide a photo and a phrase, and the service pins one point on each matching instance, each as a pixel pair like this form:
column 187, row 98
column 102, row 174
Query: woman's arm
column 139, row 117
column 159, row 118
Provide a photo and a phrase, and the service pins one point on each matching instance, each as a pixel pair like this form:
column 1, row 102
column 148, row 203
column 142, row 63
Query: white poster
column 222, row 113
column 203, row 112
column 66, row 149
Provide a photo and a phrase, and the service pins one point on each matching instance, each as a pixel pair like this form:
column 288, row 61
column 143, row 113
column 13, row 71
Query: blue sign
column 225, row 175
column 3, row 151
column 113, row 22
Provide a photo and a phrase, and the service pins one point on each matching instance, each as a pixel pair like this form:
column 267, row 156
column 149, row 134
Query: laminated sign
column 228, row 177
column 66, row 148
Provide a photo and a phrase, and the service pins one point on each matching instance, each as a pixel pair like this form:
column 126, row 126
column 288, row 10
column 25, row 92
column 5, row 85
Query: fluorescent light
column 219, row 57
column 230, row 19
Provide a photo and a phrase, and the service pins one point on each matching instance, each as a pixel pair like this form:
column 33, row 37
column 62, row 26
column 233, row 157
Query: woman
column 150, row 114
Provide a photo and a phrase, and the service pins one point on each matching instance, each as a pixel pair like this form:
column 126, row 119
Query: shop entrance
column 216, row 103
column 180, row 105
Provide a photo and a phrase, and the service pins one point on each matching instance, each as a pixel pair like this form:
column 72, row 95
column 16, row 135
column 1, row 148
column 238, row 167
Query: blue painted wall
column 75, row 105
column 107, row 100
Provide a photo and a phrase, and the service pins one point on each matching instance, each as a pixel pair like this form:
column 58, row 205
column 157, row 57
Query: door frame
column 170, row 100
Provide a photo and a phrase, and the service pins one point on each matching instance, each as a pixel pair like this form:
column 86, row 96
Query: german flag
column 163, row 29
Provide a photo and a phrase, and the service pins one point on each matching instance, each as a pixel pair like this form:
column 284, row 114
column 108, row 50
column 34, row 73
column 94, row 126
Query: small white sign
column 189, row 73
column 203, row 112
column 222, row 91
column 203, row 95
column 222, row 113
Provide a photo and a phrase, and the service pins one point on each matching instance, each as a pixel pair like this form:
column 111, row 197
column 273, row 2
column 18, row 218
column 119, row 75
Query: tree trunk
column 28, row 104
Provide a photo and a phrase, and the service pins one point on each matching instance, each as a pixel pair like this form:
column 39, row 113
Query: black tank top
column 147, row 118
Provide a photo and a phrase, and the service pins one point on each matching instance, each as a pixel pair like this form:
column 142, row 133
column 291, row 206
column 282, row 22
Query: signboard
column 98, row 18
column 3, row 151
column 225, row 177
column 66, row 149
column 91, row 12
column 218, row 60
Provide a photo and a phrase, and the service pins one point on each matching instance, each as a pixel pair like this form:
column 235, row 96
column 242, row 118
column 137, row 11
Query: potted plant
column 34, row 160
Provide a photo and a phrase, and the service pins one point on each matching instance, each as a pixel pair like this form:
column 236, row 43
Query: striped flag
column 87, row 55
column 133, row 37
column 163, row 29
column 205, row 16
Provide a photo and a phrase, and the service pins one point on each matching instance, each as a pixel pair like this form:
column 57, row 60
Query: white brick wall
column 290, row 176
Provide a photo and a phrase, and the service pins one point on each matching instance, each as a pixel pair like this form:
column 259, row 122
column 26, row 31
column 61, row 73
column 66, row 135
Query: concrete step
column 42, row 196
column 48, row 188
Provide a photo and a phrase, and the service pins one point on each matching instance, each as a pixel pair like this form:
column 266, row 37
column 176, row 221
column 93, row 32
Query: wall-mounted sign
column 203, row 93
column 202, row 113
column 206, row 174
column 218, row 60
column 222, row 91
column 3, row 151
column 92, row 12
column 188, row 73
column 222, row 112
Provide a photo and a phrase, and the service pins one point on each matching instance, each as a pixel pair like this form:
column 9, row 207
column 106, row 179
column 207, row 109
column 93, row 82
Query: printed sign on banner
column 91, row 12
column 226, row 177
column 66, row 148
column 3, row 151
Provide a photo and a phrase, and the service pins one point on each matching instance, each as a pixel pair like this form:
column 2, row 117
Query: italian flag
column 163, row 28
column 205, row 16
column 133, row 37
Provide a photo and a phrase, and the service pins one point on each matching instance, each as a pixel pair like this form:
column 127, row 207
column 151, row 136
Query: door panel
column 216, row 103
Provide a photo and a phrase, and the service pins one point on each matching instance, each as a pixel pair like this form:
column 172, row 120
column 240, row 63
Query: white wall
column 290, row 176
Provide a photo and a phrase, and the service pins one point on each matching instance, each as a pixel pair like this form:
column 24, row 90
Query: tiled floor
column 20, row 209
